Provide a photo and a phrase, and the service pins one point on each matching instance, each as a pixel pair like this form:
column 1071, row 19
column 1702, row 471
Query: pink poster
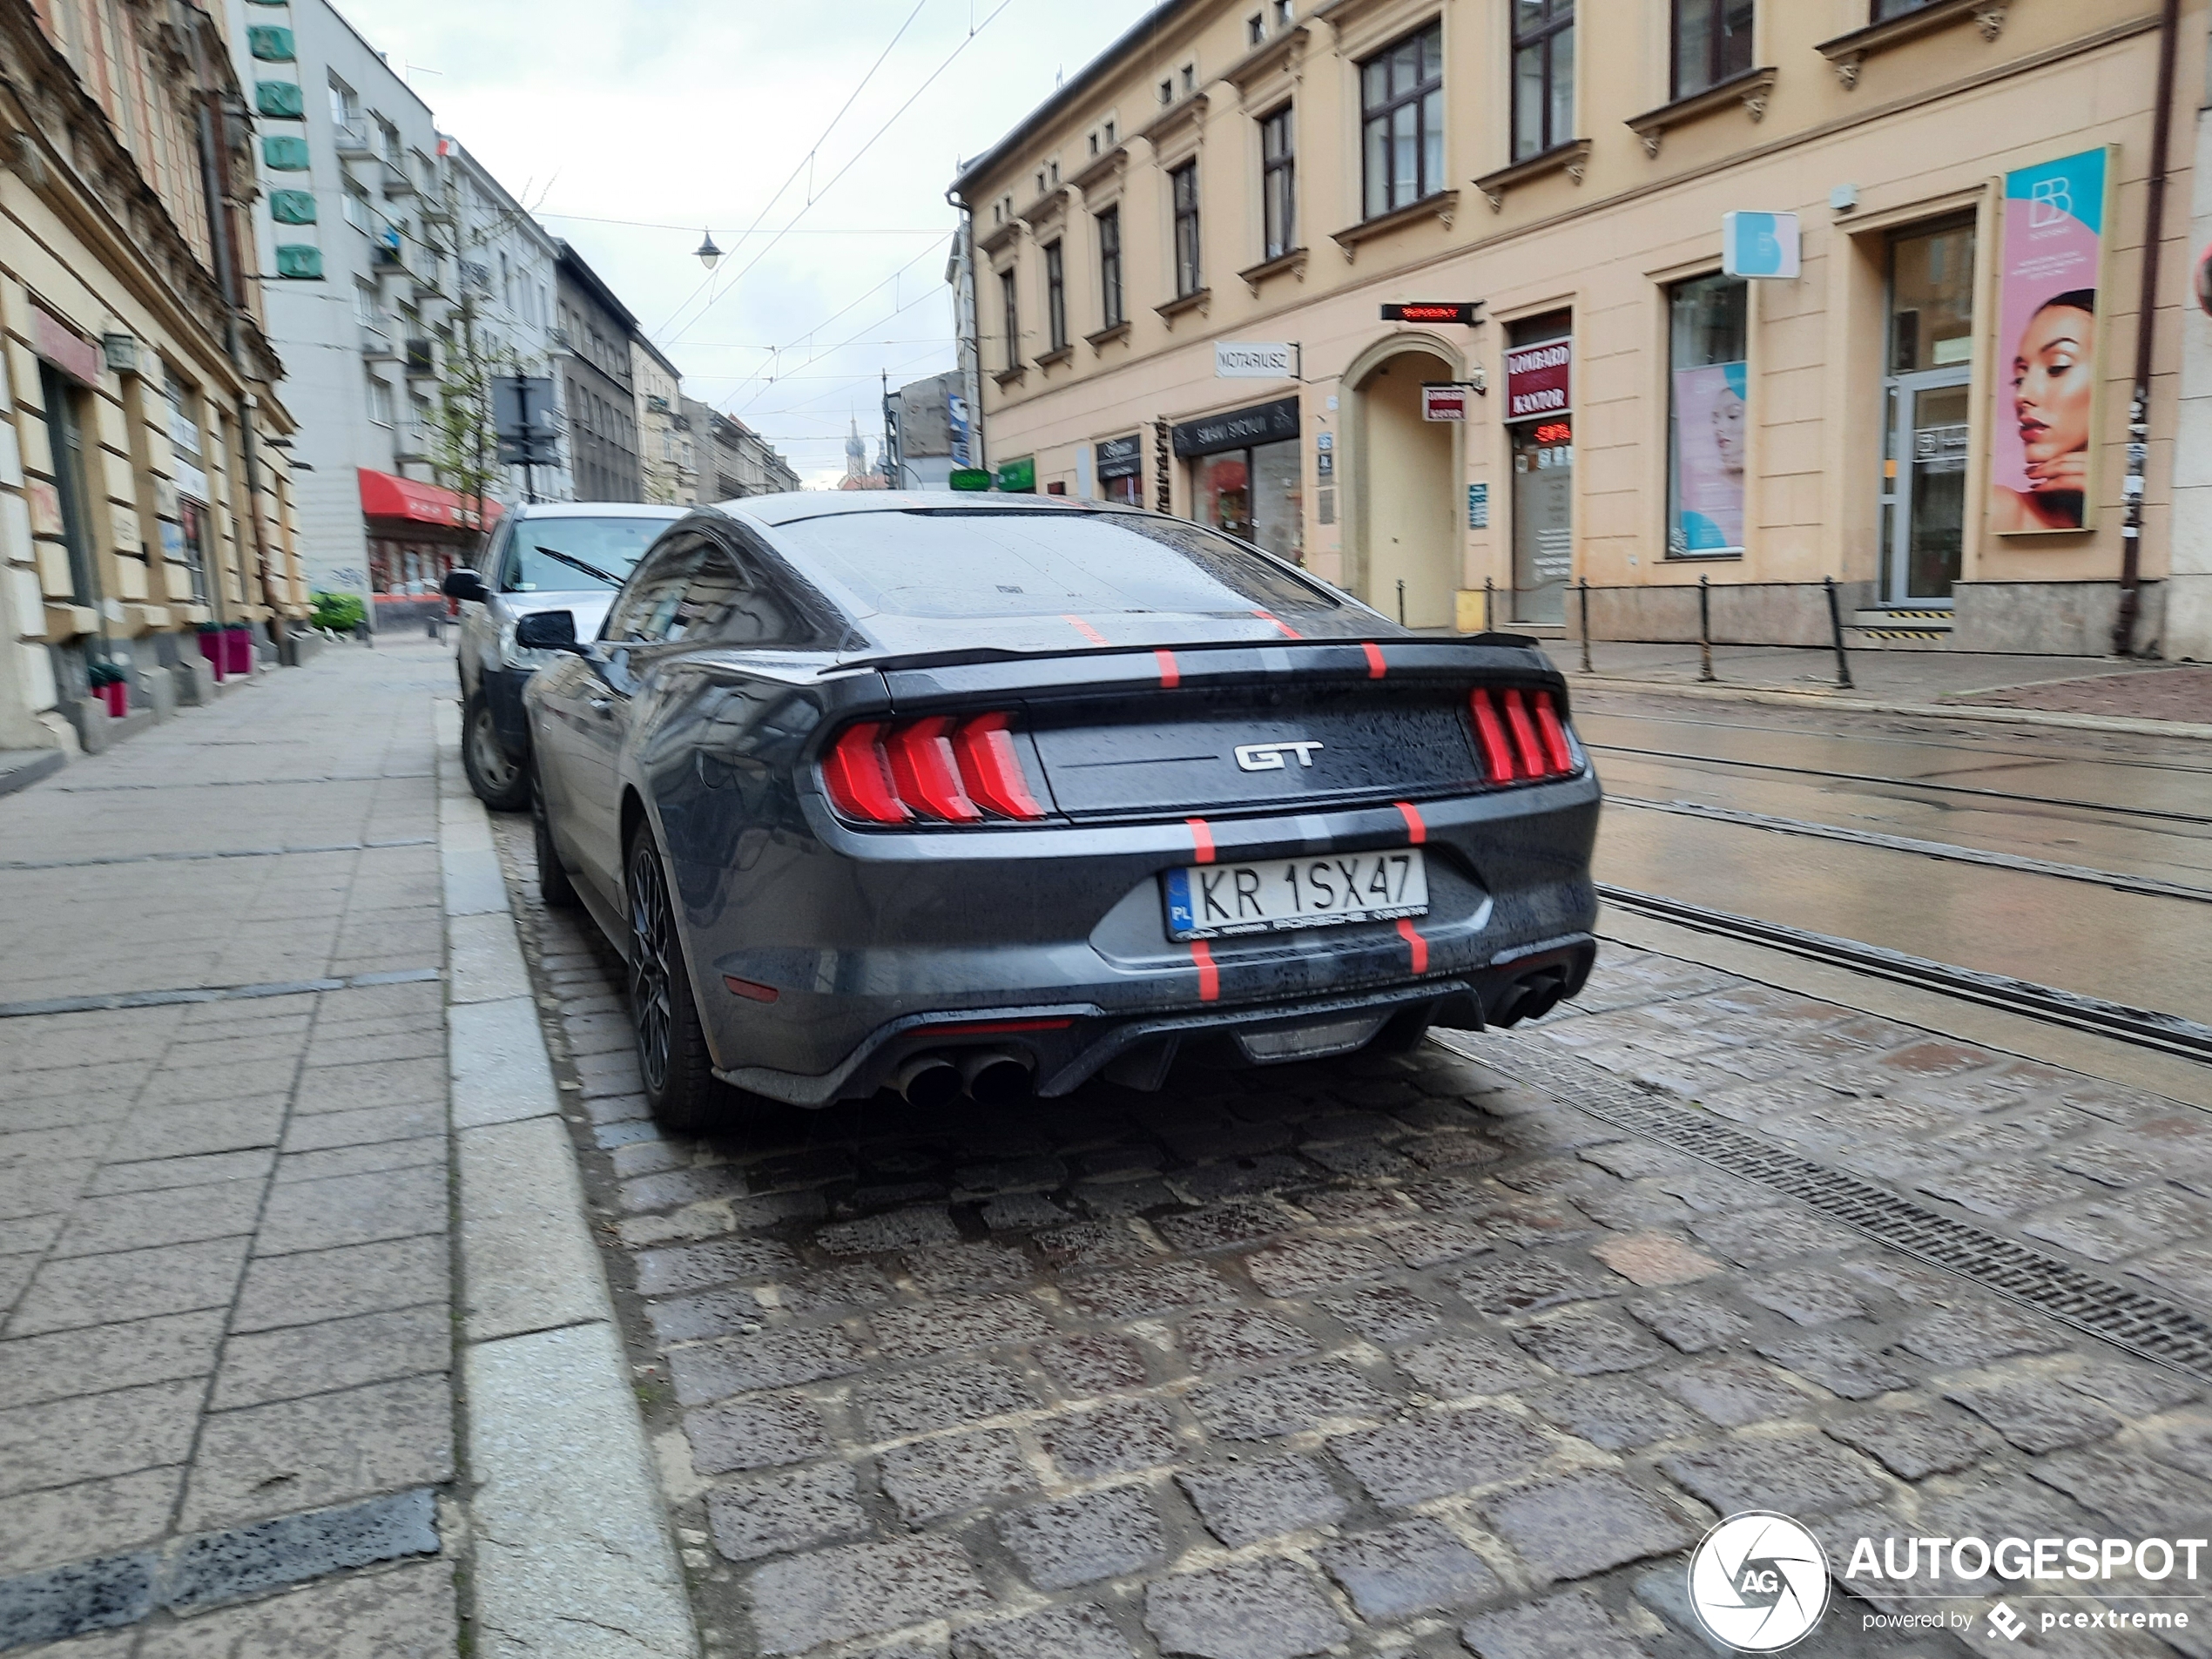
column 1709, row 459
column 2047, row 325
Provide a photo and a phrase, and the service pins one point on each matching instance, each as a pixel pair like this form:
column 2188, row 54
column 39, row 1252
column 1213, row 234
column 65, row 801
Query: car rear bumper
column 1067, row 1045
column 873, row 953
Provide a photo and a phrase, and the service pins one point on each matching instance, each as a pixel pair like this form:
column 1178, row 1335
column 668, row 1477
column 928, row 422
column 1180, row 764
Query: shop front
column 1246, row 477
column 1121, row 469
column 1540, row 428
column 416, row 533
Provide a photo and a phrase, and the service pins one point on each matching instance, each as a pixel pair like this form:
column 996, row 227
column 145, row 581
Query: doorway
column 1926, row 429
column 1408, row 527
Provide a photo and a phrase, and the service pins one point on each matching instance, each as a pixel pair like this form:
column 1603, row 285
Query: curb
column 2051, row 718
column 568, row 1533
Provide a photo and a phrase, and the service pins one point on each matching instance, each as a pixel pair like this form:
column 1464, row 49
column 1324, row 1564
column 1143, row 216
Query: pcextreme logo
column 1758, row 1582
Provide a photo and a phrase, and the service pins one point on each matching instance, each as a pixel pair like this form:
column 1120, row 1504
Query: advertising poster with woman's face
column 2047, row 364
column 1709, row 458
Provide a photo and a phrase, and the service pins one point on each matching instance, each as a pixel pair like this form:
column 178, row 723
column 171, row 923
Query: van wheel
column 681, row 1089
column 501, row 782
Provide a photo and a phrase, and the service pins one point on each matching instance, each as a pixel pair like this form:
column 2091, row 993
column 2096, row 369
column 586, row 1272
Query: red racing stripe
column 1415, row 828
column 1209, row 976
column 1201, row 838
column 1287, row 632
column 1375, row 666
column 1414, row 942
column 1170, row 672
column 1085, row 629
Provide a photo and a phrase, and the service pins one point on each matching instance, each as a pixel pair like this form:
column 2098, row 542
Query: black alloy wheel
column 501, row 782
column 672, row 1059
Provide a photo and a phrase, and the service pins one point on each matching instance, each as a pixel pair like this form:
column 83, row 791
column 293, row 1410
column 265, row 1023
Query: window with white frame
column 1401, row 115
column 1190, row 273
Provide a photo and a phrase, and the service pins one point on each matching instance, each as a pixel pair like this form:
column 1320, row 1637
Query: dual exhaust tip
column 988, row 1076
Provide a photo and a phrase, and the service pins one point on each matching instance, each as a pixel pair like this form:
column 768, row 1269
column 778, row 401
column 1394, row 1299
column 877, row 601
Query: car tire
column 553, row 884
column 681, row 1089
column 501, row 782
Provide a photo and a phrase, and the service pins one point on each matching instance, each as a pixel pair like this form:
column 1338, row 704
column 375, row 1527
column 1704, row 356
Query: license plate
column 1214, row 900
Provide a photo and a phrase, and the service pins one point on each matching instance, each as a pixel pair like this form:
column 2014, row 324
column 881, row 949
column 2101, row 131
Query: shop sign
column 956, row 420
column 1255, row 359
column 1466, row 313
column 1478, row 507
column 1019, row 477
column 1445, row 400
column 1539, row 380
column 1121, row 457
column 190, row 481
column 2049, row 329
column 64, row 348
column 969, row 478
column 1764, row 245
column 1238, row 429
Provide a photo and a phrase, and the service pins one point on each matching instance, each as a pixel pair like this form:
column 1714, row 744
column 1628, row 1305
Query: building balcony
column 353, row 140
column 376, row 345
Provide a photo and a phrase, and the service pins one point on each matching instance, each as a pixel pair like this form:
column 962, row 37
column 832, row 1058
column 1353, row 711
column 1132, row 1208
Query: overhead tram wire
column 805, row 161
column 952, row 57
column 802, row 341
column 828, row 351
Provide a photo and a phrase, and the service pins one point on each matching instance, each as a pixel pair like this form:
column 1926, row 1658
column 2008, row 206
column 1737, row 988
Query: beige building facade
column 667, row 467
column 143, row 488
column 1183, row 261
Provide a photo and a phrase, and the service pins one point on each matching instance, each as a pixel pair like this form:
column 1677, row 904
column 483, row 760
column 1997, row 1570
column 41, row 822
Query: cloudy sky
column 631, row 125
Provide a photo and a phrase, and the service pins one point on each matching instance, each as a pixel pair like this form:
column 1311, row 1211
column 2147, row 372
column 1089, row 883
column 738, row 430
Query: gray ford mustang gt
column 997, row 794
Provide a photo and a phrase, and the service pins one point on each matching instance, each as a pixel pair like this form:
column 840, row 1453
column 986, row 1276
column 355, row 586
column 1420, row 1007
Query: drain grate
column 2145, row 1325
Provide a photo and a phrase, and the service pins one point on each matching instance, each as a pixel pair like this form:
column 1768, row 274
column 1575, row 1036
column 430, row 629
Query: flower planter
column 116, row 697
column 211, row 647
column 238, row 652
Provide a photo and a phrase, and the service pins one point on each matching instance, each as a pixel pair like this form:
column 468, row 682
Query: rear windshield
column 986, row 563
column 599, row 553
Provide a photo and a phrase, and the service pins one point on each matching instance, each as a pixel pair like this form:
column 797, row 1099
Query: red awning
column 409, row 499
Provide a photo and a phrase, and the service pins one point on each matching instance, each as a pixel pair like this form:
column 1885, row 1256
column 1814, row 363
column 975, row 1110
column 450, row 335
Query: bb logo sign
column 1758, row 1582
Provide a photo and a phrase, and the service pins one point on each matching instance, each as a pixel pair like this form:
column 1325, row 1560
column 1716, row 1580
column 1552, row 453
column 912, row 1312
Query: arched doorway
column 1405, row 514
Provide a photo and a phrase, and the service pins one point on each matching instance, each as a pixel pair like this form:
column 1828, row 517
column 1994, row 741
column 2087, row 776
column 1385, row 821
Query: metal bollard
column 1705, row 628
column 1488, row 620
column 1401, row 602
column 1836, row 628
column 1587, row 669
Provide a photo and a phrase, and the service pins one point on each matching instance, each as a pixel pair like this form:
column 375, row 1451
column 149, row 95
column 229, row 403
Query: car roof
column 792, row 506
column 598, row 510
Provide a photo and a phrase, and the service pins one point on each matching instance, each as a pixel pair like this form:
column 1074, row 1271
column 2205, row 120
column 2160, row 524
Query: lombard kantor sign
column 1238, row 429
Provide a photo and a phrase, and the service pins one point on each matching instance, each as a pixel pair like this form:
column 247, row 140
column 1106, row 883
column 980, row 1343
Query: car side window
column 498, row 560
column 733, row 601
column 650, row 606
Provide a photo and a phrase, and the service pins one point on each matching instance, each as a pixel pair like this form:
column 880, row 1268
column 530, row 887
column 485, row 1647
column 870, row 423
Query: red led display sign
column 1466, row 313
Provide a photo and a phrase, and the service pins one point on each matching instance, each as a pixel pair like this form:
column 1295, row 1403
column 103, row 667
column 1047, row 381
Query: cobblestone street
column 1407, row 1355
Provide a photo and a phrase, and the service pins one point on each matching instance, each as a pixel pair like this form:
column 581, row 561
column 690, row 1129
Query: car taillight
column 1522, row 738
column 942, row 770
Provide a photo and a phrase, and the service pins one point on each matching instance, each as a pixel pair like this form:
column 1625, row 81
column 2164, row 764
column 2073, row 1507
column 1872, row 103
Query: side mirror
column 547, row 630
column 465, row 583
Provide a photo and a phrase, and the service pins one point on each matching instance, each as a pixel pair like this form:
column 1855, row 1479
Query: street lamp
column 710, row 255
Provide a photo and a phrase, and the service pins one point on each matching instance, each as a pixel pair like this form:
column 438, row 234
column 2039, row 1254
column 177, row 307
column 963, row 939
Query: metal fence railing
column 1778, row 614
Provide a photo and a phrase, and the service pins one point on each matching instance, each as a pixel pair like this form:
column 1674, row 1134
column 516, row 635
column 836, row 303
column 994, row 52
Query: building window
column 1401, row 109
column 1256, row 29
column 359, row 214
column 1010, row 313
column 1110, row 267
column 345, row 105
column 1110, row 138
column 1189, row 79
column 66, row 429
column 1707, row 416
column 1885, row 9
column 1188, row 273
column 380, row 401
column 1712, row 43
column 1278, row 180
column 1543, row 76
column 1282, row 14
column 1167, row 91
column 1055, row 296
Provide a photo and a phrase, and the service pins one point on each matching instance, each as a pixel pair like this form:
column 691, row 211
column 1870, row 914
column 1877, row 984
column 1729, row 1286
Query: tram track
column 2167, row 1033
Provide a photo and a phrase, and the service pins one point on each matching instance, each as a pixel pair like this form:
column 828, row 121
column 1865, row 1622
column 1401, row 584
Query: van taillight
column 1522, row 738
column 941, row 769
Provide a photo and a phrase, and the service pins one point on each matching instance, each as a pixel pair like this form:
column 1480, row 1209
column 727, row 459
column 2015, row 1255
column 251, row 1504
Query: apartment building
column 144, row 489
column 732, row 461
column 355, row 223
column 598, row 388
column 665, row 466
column 1434, row 296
